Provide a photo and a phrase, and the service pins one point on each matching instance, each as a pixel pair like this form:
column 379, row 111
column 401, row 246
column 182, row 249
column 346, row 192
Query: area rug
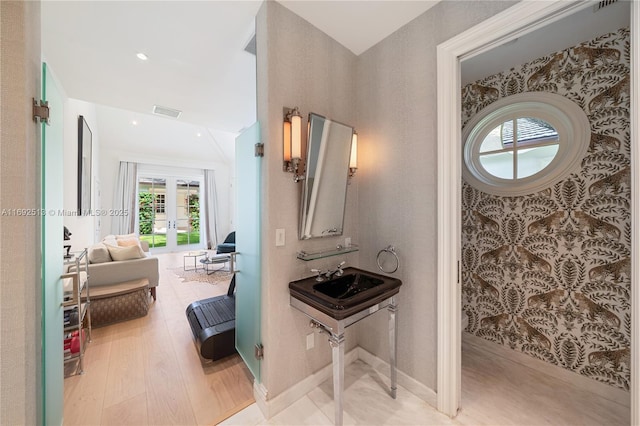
column 218, row 277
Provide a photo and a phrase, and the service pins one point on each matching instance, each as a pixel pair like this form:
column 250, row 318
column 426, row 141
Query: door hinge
column 259, row 150
column 40, row 111
column 259, row 351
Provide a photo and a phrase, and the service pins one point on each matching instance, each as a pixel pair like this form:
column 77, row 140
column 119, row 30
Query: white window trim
column 564, row 115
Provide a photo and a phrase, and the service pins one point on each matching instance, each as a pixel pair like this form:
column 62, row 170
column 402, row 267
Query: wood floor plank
column 131, row 412
column 84, row 394
column 147, row 371
column 167, row 399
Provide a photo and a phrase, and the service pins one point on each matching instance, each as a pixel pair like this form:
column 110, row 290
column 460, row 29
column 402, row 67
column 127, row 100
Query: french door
column 169, row 214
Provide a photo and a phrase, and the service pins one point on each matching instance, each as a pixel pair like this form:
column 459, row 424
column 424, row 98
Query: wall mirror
column 325, row 185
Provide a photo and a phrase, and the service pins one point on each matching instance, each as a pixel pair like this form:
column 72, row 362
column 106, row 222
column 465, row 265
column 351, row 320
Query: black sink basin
column 347, row 286
column 340, row 297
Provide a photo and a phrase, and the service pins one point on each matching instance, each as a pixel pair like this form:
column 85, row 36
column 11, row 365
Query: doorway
column 169, row 212
column 511, row 24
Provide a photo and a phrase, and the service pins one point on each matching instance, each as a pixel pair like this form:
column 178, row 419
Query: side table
column 215, row 260
column 194, row 255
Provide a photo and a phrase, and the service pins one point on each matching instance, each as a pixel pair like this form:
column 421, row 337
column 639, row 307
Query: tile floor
column 496, row 391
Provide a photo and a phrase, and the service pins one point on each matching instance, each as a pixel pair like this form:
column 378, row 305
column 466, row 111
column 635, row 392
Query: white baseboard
column 420, row 390
column 603, row 390
column 271, row 407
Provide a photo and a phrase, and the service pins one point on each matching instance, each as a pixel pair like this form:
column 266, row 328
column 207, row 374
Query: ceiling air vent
column 602, row 4
column 168, row 112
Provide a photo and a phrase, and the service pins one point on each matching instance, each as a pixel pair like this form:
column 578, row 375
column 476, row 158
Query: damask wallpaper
column 548, row 274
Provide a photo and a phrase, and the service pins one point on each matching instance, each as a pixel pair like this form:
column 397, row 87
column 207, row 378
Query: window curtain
column 125, row 199
column 210, row 209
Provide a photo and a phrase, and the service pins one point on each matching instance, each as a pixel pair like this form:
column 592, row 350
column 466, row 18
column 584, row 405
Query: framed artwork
column 84, row 167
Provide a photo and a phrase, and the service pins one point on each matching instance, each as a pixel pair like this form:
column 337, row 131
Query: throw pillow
column 125, row 253
column 128, row 242
column 99, row 253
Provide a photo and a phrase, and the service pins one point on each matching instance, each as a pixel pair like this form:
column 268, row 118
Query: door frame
column 512, row 23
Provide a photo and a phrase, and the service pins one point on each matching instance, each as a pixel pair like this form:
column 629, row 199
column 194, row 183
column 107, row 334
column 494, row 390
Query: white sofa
column 104, row 270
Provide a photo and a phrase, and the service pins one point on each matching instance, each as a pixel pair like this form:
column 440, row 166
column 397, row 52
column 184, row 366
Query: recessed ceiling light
column 199, row 134
column 142, row 56
column 134, row 122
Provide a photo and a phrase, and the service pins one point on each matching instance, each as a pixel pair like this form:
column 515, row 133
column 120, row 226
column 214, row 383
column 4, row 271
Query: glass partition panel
column 52, row 252
column 248, row 277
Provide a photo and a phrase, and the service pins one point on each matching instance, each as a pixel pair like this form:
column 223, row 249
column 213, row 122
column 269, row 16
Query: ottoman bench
column 118, row 302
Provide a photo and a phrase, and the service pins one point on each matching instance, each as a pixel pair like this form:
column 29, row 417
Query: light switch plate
column 279, row 237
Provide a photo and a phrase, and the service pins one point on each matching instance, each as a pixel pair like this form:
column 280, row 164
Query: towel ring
column 388, row 253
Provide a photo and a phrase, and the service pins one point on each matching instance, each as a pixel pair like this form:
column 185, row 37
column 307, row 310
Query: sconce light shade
column 292, row 141
column 353, row 160
column 296, row 134
column 286, row 135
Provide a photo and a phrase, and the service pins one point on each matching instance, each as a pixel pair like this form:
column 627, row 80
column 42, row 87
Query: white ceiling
column 358, row 24
column 196, row 59
column 197, row 63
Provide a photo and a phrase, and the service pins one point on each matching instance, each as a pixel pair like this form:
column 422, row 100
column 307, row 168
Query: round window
column 524, row 143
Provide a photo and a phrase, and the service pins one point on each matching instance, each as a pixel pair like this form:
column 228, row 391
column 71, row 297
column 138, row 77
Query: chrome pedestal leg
column 337, row 353
column 393, row 346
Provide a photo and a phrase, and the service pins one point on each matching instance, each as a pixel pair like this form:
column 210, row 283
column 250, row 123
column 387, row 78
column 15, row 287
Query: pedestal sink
column 335, row 303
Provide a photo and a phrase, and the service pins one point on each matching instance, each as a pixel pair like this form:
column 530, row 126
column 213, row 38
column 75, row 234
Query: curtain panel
column 211, row 209
column 125, row 199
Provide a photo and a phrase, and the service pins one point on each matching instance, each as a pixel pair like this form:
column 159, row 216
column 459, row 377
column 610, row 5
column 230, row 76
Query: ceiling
column 197, row 63
column 581, row 26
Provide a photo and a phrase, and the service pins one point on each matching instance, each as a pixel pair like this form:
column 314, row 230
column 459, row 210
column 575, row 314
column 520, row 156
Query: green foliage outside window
column 194, row 211
column 145, row 216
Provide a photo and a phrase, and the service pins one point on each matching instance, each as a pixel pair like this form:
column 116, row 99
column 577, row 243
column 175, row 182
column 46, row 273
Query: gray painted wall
column 389, row 94
column 396, row 89
column 298, row 65
column 20, row 291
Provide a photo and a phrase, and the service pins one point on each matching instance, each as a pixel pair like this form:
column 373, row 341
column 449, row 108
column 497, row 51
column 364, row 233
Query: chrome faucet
column 328, row 274
column 336, row 272
column 319, row 274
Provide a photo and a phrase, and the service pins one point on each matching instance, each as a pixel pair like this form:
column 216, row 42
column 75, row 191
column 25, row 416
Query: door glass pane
column 152, row 211
column 188, row 211
column 533, row 160
column 500, row 164
column 248, row 277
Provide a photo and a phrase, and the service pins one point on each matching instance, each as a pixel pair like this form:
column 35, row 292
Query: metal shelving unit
column 76, row 307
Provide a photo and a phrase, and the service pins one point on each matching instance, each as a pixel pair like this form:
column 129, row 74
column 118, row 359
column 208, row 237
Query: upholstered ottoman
column 118, row 302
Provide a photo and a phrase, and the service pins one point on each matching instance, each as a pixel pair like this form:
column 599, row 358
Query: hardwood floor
column 147, row 371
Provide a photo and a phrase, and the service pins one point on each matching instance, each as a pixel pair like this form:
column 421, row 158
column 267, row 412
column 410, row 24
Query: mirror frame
column 307, row 190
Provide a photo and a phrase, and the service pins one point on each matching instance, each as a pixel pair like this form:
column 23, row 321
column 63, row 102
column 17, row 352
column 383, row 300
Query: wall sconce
column 292, row 142
column 353, row 161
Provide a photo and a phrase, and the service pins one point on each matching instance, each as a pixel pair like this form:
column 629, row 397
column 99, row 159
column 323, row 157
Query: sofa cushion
column 128, row 242
column 99, row 253
column 125, row 253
